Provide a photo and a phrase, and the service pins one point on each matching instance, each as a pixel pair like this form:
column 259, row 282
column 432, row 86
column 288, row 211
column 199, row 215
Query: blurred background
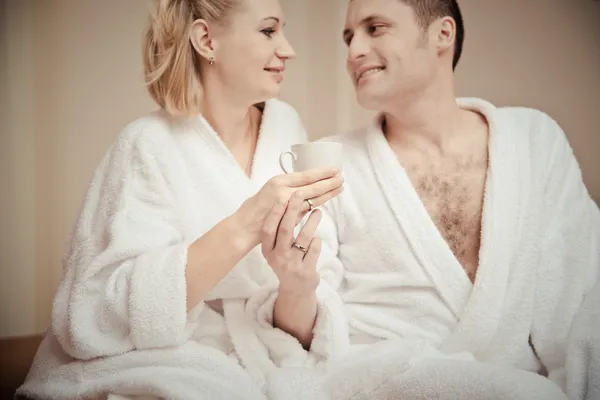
column 71, row 78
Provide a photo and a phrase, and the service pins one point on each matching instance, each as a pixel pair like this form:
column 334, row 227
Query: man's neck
column 429, row 120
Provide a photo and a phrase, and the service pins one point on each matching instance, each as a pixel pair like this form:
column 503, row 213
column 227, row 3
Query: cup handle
column 281, row 157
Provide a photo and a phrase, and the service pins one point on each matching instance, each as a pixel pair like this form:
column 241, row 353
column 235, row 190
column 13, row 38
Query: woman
column 166, row 291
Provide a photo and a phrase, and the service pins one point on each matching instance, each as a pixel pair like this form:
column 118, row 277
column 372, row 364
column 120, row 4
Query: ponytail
column 170, row 62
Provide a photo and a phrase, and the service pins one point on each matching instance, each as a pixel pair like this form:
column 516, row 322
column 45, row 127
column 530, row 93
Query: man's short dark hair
column 428, row 11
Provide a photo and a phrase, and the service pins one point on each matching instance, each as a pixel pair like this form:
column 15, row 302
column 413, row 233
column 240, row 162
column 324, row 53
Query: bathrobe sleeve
column 124, row 286
column 569, row 264
column 331, row 338
column 583, row 351
column 330, row 333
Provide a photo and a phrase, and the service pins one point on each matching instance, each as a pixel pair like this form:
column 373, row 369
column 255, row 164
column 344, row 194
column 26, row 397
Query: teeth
column 370, row 72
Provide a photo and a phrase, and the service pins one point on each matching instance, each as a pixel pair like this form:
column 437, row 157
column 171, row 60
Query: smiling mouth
column 274, row 70
column 369, row 72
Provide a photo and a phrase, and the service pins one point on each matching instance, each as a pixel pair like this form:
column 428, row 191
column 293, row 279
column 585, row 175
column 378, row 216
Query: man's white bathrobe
column 540, row 255
column 119, row 322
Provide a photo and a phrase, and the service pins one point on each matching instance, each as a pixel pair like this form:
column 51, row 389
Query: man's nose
column 358, row 48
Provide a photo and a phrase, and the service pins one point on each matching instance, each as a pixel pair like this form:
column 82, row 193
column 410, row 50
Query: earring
column 211, row 60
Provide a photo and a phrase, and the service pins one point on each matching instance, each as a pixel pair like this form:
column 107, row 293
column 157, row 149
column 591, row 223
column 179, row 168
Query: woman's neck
column 236, row 124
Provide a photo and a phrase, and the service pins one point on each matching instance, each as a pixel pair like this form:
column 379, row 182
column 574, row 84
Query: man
column 467, row 237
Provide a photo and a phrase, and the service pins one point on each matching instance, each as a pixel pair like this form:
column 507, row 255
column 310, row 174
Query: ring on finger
column 310, row 205
column 300, row 247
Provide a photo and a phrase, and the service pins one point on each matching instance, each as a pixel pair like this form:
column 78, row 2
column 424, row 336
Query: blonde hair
column 171, row 65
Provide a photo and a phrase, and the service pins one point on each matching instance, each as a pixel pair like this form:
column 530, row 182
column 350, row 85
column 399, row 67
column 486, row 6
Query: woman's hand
column 230, row 240
column 311, row 188
column 293, row 259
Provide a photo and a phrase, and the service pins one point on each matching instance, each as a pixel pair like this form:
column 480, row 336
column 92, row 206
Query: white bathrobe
column 583, row 351
column 539, row 256
column 119, row 322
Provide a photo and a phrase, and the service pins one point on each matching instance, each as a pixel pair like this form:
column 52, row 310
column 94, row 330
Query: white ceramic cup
column 312, row 155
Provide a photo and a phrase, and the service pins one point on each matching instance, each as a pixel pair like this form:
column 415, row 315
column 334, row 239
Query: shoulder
column 152, row 131
column 525, row 124
column 543, row 132
column 145, row 144
column 539, row 137
column 524, row 119
column 529, row 119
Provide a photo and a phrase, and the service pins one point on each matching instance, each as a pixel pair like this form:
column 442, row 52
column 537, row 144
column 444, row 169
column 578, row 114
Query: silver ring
column 300, row 247
column 310, row 205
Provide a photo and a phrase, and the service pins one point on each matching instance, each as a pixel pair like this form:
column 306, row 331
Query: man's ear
column 445, row 33
column 201, row 39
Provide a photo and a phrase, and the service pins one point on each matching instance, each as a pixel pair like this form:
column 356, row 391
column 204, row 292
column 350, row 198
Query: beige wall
column 77, row 83
column 17, row 173
column 547, row 56
column 73, row 67
column 89, row 86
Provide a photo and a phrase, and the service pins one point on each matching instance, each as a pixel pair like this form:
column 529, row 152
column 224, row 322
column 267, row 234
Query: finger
column 285, row 233
column 297, row 179
column 312, row 255
column 303, row 213
column 320, row 200
column 320, row 188
column 307, row 232
column 271, row 224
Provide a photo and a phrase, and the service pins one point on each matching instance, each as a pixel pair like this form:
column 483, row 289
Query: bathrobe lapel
column 478, row 304
column 234, row 186
column 503, row 198
column 426, row 242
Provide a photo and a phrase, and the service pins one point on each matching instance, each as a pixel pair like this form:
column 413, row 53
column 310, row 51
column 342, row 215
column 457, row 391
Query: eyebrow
column 274, row 19
column 365, row 21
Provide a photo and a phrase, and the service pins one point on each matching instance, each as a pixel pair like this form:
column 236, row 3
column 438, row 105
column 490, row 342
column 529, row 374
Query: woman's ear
column 201, row 39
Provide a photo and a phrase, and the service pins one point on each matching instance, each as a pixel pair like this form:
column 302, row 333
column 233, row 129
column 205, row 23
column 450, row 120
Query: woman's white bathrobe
column 540, row 254
column 119, row 322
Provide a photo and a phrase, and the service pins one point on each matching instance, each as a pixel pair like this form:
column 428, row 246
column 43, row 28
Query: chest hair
column 452, row 193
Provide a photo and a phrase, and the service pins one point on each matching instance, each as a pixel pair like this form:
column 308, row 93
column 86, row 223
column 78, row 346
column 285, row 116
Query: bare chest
column 452, row 193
